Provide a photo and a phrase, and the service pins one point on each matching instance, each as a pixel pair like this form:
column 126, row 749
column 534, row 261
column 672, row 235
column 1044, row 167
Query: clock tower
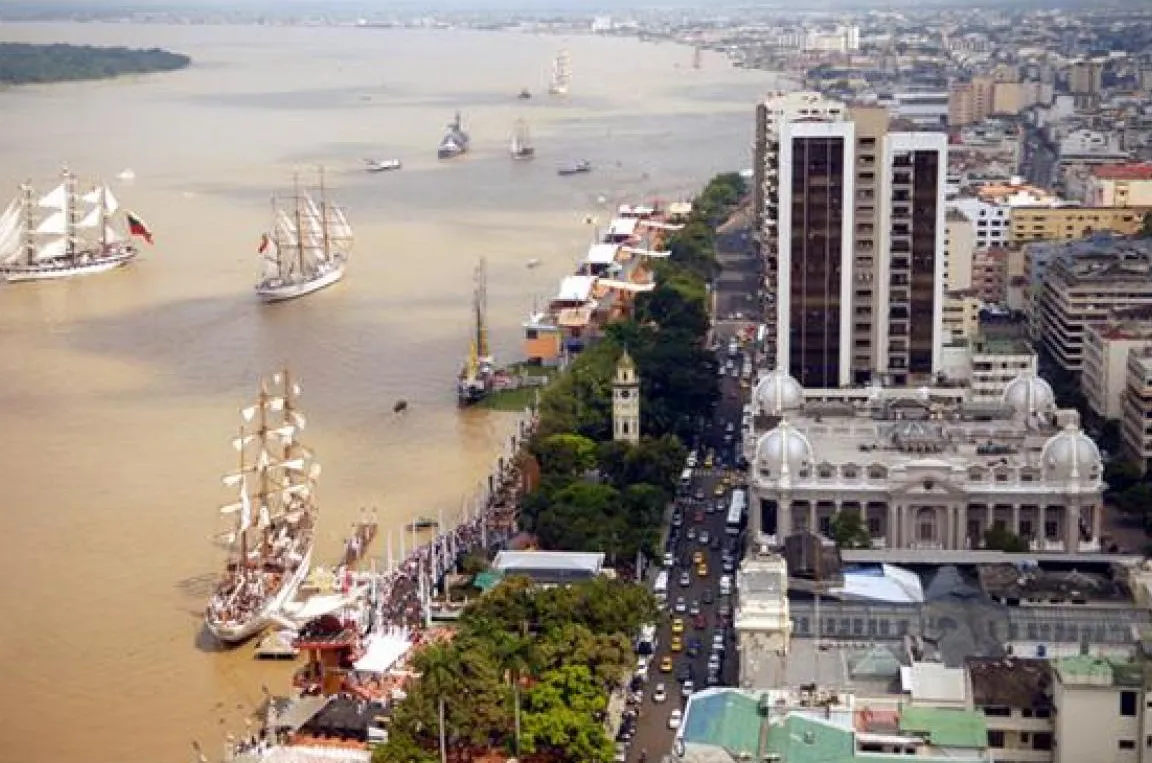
column 626, row 401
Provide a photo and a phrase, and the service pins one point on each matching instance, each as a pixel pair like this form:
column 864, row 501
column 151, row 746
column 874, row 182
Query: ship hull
column 524, row 154
column 102, row 264
column 235, row 633
column 282, row 292
column 449, row 153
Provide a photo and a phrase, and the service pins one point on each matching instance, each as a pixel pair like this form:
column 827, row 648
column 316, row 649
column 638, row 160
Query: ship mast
column 323, row 224
column 29, row 220
column 262, row 461
column 70, row 213
column 299, row 227
column 480, row 305
column 241, row 530
column 103, row 218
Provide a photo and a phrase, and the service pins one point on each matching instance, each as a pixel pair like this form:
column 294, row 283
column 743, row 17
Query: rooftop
column 560, row 563
column 1135, row 171
column 944, row 727
column 1009, row 581
column 1103, row 259
column 1091, row 670
column 1010, row 682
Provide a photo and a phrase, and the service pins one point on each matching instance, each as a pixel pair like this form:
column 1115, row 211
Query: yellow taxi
column 708, row 461
column 698, row 557
column 678, row 625
column 677, row 644
column 665, row 664
column 720, row 487
column 702, row 570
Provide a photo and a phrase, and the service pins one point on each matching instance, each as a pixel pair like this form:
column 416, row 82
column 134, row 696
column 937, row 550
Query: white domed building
column 925, row 468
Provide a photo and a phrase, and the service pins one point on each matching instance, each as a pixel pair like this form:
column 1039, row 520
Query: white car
column 674, row 719
column 660, row 693
column 687, row 688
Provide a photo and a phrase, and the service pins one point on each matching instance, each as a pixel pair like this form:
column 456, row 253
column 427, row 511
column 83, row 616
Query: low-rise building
column 1069, row 223
column 1101, row 710
column 922, row 468
column 1121, row 185
column 961, row 316
column 997, row 359
column 1015, row 696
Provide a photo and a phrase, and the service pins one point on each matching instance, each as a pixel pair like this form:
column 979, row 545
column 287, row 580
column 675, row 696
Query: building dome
column 778, row 392
column 783, row 450
column 1029, row 395
column 1071, row 454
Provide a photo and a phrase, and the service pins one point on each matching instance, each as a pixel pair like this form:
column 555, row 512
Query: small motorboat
column 387, row 165
column 423, row 523
column 575, row 168
column 534, row 262
column 524, row 94
column 400, row 406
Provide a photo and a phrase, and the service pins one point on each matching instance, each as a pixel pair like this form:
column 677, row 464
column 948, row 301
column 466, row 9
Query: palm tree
column 438, row 671
column 516, row 654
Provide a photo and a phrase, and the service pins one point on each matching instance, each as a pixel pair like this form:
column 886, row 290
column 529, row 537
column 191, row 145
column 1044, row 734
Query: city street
column 703, row 508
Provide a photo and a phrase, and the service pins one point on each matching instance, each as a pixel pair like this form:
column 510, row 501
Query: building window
column 1128, row 704
column 1125, row 744
column 995, row 738
column 1042, row 740
column 997, row 712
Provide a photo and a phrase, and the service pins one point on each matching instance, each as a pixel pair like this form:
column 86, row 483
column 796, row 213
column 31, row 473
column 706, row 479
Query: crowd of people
column 423, row 570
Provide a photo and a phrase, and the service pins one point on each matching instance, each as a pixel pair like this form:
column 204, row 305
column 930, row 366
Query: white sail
column 93, row 219
column 102, row 197
column 57, row 198
column 338, row 228
column 51, row 250
column 12, row 232
column 110, row 235
column 55, row 224
column 286, row 229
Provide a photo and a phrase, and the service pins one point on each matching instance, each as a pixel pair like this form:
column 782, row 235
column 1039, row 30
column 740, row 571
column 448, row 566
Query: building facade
column 923, row 469
column 626, row 401
column 1121, row 185
column 851, row 225
column 1069, row 223
column 1136, row 408
column 1104, row 375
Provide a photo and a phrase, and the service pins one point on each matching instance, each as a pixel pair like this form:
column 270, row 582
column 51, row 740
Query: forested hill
column 25, row 64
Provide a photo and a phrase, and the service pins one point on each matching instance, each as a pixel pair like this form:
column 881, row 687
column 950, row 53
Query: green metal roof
column 808, row 740
column 1086, row 667
column 487, row 580
column 724, row 718
column 946, row 728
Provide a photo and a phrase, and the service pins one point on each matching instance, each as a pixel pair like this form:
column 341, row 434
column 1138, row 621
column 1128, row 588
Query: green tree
column 565, row 455
column 1146, row 226
column 1000, row 538
column 561, row 718
column 1121, row 475
column 438, row 668
column 516, row 653
column 849, row 530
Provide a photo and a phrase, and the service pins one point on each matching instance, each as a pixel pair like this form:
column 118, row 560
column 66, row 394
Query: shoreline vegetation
column 27, row 64
column 529, row 670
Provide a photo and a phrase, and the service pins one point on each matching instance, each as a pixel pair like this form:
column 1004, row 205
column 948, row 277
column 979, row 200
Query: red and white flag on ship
column 137, row 226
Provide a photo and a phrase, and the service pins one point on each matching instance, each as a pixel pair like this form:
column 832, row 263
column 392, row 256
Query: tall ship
column 69, row 231
column 308, row 247
column 270, row 543
column 521, row 146
column 475, row 380
column 455, row 141
column 561, row 74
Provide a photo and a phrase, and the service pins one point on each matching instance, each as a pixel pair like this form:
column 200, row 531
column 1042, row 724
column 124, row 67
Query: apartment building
column 959, row 247
column 961, row 316
column 990, row 275
column 850, row 220
column 997, row 359
column 1069, row 223
column 1082, row 286
column 1015, row 697
column 1120, row 185
column 1136, row 408
column 1105, row 373
column 1101, row 710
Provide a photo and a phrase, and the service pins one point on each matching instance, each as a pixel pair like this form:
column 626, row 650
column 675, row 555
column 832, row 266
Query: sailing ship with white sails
column 561, row 74
column 270, row 543
column 308, row 248
column 66, row 232
column 521, row 146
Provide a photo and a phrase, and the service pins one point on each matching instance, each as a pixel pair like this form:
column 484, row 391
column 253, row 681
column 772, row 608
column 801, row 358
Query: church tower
column 626, row 401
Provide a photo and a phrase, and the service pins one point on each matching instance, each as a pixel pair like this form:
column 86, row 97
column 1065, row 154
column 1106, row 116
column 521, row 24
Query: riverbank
column 28, row 64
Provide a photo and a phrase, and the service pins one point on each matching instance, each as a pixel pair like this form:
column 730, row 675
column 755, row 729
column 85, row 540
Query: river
column 119, row 393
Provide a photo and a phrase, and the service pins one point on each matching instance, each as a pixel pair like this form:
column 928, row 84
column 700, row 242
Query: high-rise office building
column 851, row 226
